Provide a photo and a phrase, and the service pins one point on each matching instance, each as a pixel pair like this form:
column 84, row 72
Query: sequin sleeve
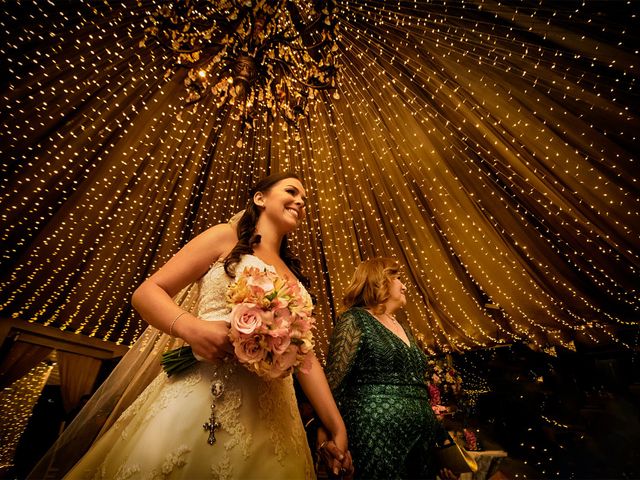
column 343, row 349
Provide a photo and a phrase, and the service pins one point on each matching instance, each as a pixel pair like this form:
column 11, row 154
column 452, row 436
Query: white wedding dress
column 161, row 435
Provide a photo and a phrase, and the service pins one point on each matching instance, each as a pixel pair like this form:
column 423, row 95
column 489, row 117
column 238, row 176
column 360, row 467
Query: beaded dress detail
column 378, row 383
column 161, row 435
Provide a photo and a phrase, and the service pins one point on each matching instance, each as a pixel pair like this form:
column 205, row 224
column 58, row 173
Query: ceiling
column 490, row 147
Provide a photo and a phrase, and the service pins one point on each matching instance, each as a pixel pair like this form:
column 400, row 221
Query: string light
column 490, row 149
column 16, row 405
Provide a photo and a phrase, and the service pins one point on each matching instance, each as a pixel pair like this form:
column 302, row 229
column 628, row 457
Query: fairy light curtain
column 490, row 147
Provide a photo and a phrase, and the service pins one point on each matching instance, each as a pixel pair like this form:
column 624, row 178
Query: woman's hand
column 209, row 340
column 335, row 455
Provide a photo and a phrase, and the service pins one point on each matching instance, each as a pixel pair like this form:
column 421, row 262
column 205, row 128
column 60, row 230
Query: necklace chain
column 394, row 322
column 393, row 319
column 395, row 325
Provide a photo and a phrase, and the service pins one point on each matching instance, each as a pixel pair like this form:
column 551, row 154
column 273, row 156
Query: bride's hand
column 346, row 467
column 334, row 454
column 209, row 340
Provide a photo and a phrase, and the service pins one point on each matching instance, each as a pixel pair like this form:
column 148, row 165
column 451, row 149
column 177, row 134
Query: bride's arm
column 315, row 386
column 153, row 298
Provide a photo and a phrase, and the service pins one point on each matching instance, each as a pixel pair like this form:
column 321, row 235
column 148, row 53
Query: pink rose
column 278, row 340
column 246, row 318
column 248, row 349
column 282, row 318
column 286, row 360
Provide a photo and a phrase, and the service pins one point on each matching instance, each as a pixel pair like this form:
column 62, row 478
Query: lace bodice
column 214, row 285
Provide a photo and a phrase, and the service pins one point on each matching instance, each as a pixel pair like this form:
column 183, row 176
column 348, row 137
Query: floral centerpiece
column 470, row 439
column 271, row 326
column 444, row 385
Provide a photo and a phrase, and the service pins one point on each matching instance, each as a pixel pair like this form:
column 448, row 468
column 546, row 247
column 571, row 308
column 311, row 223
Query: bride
column 176, row 429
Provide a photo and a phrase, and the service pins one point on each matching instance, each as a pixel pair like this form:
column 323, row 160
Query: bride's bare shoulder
column 222, row 236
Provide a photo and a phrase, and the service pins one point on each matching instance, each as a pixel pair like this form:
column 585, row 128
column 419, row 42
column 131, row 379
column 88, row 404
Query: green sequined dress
column 378, row 383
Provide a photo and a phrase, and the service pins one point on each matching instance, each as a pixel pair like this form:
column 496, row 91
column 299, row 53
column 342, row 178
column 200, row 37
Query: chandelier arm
column 315, row 87
column 310, row 47
column 293, row 37
column 165, row 41
column 195, row 64
column 290, row 72
column 177, row 50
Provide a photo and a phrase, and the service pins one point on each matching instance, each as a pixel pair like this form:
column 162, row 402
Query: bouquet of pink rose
column 271, row 323
column 271, row 326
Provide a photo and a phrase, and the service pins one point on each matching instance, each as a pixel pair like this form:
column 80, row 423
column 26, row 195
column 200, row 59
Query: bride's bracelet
column 174, row 322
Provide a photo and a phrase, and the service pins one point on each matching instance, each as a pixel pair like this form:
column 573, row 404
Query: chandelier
column 263, row 58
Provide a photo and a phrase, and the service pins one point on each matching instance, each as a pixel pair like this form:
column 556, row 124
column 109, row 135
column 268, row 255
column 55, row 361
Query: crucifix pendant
column 211, row 426
column 217, row 389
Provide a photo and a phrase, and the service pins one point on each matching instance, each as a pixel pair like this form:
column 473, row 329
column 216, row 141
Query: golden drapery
column 491, row 149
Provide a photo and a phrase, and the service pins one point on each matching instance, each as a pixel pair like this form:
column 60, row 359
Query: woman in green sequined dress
column 376, row 371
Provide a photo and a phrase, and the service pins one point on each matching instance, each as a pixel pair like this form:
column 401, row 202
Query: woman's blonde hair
column 369, row 287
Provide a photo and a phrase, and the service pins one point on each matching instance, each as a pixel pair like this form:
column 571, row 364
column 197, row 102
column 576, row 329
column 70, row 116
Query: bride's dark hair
column 247, row 237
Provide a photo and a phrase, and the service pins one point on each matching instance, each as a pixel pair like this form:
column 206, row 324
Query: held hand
column 346, row 468
column 338, row 460
column 209, row 340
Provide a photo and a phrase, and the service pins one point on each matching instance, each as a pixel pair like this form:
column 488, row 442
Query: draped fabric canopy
column 491, row 148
